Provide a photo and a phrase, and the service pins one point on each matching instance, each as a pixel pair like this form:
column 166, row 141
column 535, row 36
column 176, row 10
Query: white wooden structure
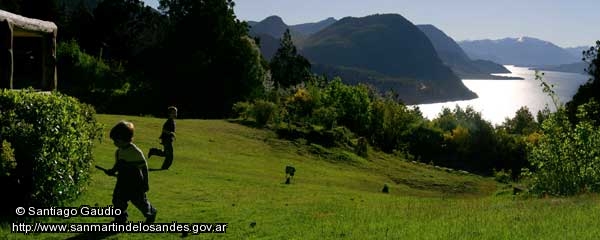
column 14, row 27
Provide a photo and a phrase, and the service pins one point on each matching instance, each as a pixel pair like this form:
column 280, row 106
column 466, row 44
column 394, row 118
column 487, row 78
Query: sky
column 566, row 23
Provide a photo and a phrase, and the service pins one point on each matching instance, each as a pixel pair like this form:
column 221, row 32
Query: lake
column 499, row 99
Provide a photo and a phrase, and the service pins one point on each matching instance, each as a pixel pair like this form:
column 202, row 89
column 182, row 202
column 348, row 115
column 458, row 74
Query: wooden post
column 49, row 78
column 6, row 55
column 53, row 62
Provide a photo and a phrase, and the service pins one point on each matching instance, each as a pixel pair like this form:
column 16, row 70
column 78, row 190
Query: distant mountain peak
column 520, row 51
column 454, row 57
column 272, row 25
column 308, row 29
column 273, row 19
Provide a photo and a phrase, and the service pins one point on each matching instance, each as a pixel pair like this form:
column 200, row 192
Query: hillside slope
column 226, row 172
column 229, row 173
column 453, row 56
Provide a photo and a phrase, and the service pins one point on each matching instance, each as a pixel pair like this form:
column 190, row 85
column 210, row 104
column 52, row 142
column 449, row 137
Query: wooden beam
column 22, row 33
column 6, row 54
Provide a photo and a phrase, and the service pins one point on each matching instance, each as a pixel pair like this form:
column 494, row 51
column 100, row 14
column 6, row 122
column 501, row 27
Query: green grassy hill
column 229, row 173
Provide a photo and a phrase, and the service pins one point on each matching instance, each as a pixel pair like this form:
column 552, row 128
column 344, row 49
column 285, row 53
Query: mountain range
column 453, row 56
column 522, row 51
column 270, row 30
column 384, row 50
column 391, row 53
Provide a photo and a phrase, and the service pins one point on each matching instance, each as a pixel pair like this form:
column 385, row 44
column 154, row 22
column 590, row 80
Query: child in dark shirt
column 131, row 170
column 166, row 139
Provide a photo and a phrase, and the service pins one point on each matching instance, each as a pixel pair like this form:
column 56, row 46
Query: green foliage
column 89, row 79
column 225, row 63
column 542, row 115
column 52, row 136
column 352, row 103
column 502, row 176
column 391, row 124
column 7, row 159
column 362, row 147
column 589, row 112
column 522, row 123
column 470, row 141
column 325, row 116
column 589, row 90
column 566, row 156
column 300, row 105
column 289, row 68
column 124, row 29
column 243, row 109
column 263, row 111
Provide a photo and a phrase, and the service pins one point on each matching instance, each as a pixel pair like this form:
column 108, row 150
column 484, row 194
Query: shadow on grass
column 156, row 169
column 246, row 122
column 92, row 235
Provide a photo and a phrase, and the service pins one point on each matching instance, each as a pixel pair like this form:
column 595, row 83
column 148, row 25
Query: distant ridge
column 388, row 52
column 578, row 67
column 523, row 51
column 453, row 56
column 577, row 51
column 272, row 26
column 269, row 31
column 308, row 29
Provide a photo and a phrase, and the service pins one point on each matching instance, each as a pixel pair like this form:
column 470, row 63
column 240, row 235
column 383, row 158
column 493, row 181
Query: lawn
column 226, row 172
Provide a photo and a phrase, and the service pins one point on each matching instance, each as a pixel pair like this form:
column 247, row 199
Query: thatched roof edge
column 28, row 24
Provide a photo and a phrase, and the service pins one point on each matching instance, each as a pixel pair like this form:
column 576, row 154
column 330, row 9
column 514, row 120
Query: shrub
column 263, row 111
column 242, row 109
column 90, row 79
column 502, row 176
column 52, row 136
column 300, row 104
column 325, row 116
column 352, row 103
column 565, row 157
column 7, row 159
column 362, row 147
column 391, row 123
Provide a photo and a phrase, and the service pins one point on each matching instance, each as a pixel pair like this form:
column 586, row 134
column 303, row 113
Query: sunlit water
column 499, row 99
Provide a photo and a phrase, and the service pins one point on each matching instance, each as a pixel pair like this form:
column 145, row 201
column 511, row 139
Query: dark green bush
column 263, row 111
column 91, row 80
column 362, row 147
column 352, row 104
column 325, row 116
column 242, row 109
column 502, row 176
column 7, row 159
column 52, row 136
column 391, row 124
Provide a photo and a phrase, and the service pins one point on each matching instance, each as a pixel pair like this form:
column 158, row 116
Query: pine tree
column 288, row 68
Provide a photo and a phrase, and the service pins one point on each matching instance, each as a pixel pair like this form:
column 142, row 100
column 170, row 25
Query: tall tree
column 287, row 66
column 13, row 6
column 126, row 27
column 221, row 61
column 591, row 89
column 45, row 10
